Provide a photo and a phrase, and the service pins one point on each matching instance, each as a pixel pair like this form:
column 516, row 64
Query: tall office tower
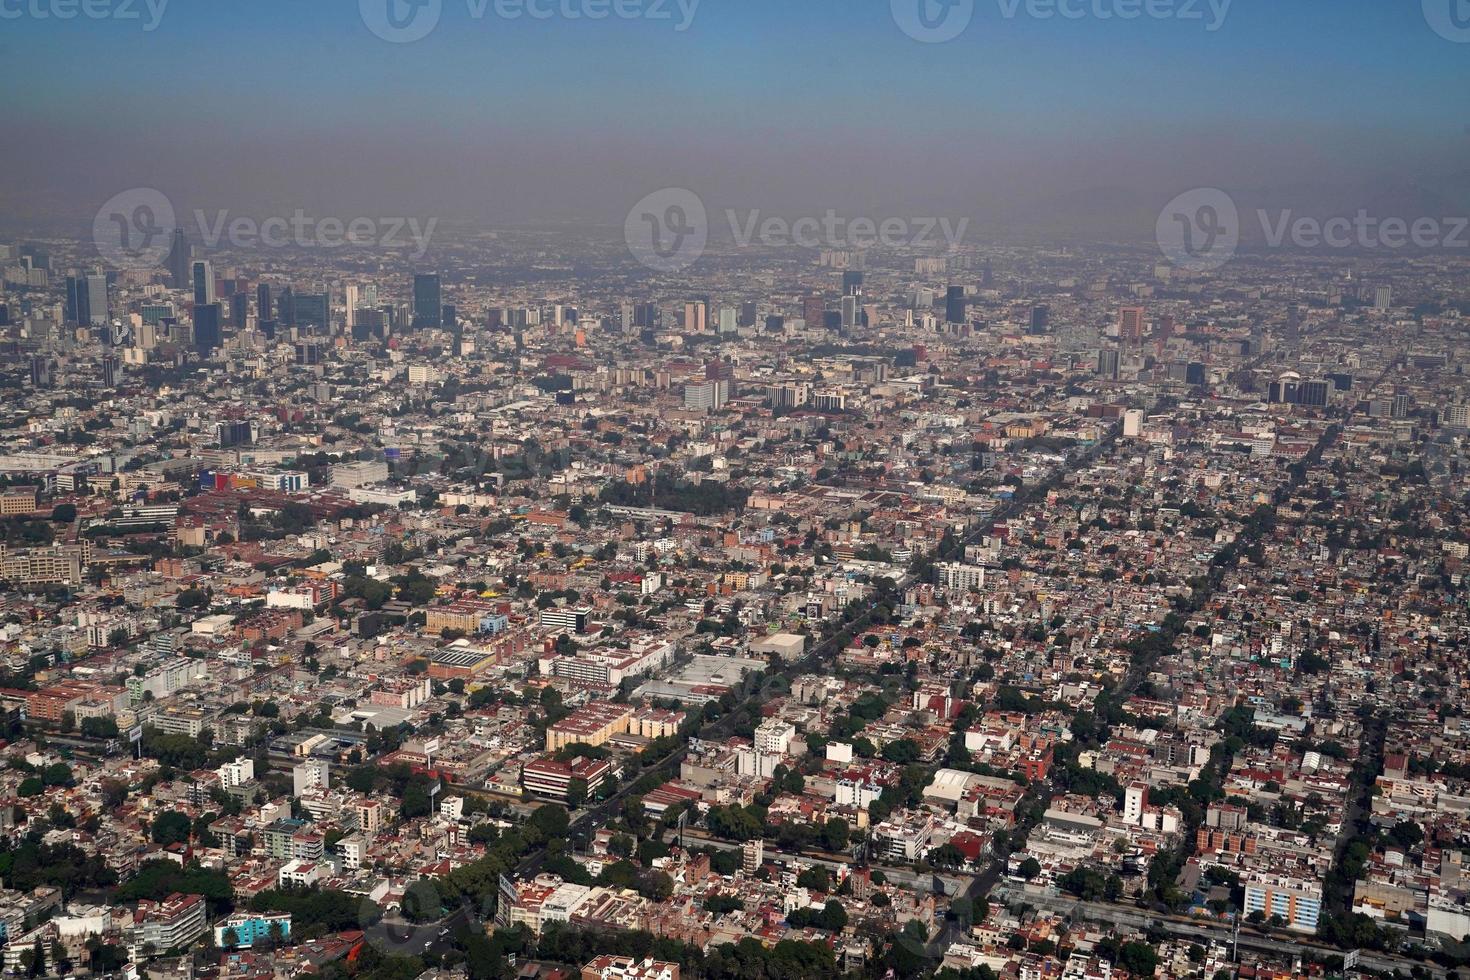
column 747, row 314
column 645, row 315
column 203, row 279
column 1040, row 319
column 41, row 375
column 813, row 310
column 180, row 257
column 286, row 308
column 1383, row 298
column 239, row 309
column 849, row 313
column 954, row 304
column 852, row 283
column 1107, row 363
column 111, row 370
column 4, row 315
column 451, row 316
column 1130, row 324
column 208, row 336
column 987, row 277
column 96, row 290
column 313, row 310
column 705, row 395
column 428, row 301
column 695, row 317
column 263, row 309
column 351, row 303
column 76, row 300
column 729, row 319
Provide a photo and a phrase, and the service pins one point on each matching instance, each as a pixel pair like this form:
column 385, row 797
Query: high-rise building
column 813, row 310
column 1107, row 363
column 239, row 310
column 98, row 313
column 729, row 319
column 852, row 283
column 1383, row 298
column 351, row 305
column 706, row 395
column 263, row 310
column 41, row 371
column 180, row 258
column 111, row 371
column 1130, row 324
column 203, row 279
column 954, row 304
column 313, row 310
column 428, row 301
column 208, row 335
column 747, row 314
column 76, row 301
column 1040, row 319
column 849, row 313
column 695, row 317
column 286, row 308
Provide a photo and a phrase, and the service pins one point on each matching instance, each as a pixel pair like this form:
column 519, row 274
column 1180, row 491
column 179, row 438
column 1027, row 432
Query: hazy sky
column 792, row 106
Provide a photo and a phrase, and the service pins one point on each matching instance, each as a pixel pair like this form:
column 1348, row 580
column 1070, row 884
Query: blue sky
column 781, row 104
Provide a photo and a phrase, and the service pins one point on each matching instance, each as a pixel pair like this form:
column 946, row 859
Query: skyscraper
column 954, row 304
column 239, row 310
column 428, row 301
column 852, row 283
column 1040, row 319
column 813, row 310
column 180, row 255
column 203, row 277
column 111, row 371
column 1130, row 324
column 96, row 291
column 695, row 317
column 207, row 333
column 263, row 309
column 351, row 304
column 76, row 300
column 286, row 308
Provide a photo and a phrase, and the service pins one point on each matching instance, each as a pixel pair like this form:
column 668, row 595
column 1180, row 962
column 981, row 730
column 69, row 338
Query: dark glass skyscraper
column 208, row 336
column 954, row 305
column 263, row 309
column 428, row 302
